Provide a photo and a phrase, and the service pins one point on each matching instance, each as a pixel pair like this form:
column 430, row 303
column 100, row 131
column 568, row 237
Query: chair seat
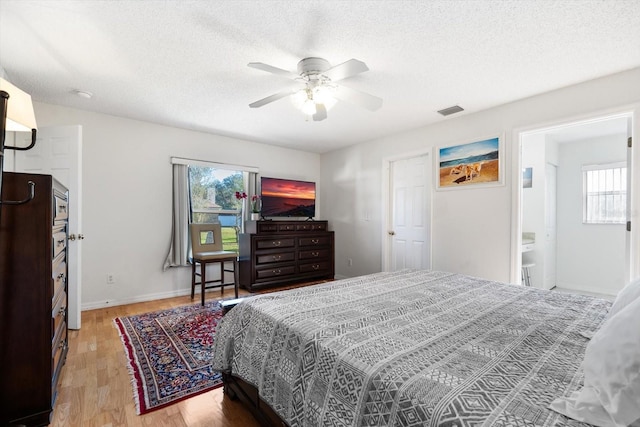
column 205, row 256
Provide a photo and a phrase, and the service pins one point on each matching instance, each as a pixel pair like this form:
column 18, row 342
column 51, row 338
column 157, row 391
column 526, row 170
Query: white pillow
column 611, row 392
column 626, row 295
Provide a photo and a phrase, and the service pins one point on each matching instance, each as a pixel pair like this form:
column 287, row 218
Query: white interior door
column 410, row 213
column 58, row 152
column 551, row 229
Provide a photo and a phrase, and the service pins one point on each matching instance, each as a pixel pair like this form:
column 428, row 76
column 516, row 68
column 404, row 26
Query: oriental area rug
column 169, row 354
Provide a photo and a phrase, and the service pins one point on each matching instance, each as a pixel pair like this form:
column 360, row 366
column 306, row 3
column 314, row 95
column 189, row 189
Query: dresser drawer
column 314, row 241
column 286, row 227
column 319, row 267
column 267, row 227
column 58, row 352
column 314, row 254
column 312, row 226
column 59, row 338
column 59, row 208
column 59, row 240
column 59, row 275
column 59, row 310
column 269, row 273
column 275, row 243
column 275, row 257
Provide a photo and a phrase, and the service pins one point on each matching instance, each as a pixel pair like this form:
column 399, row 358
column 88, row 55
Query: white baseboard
column 139, row 298
column 149, row 297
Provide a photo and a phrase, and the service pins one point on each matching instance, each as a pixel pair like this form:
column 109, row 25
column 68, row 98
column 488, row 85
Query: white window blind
column 604, row 193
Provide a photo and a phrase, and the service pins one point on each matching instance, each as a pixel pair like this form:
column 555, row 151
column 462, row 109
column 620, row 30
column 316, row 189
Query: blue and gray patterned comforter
column 411, row 348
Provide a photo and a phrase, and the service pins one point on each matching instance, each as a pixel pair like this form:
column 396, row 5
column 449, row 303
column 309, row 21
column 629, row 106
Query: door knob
column 72, row 237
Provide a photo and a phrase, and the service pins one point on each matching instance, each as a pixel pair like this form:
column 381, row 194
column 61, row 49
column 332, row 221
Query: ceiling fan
column 315, row 89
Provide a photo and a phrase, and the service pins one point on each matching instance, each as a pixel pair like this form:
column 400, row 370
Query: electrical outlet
column 111, row 279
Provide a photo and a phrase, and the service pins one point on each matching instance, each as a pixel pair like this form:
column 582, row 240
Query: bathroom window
column 604, row 193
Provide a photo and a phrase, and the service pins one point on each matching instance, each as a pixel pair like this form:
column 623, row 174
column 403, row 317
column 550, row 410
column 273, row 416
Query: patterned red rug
column 169, row 354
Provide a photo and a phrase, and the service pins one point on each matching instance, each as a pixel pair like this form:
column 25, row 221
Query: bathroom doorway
column 562, row 248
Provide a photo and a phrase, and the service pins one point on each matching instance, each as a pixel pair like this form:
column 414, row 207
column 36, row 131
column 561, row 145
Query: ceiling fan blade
column 271, row 98
column 273, row 70
column 356, row 97
column 346, row 69
column 321, row 113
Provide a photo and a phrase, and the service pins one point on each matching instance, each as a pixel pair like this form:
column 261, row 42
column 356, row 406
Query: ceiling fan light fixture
column 306, row 99
column 299, row 97
column 319, row 92
column 324, row 95
column 309, row 107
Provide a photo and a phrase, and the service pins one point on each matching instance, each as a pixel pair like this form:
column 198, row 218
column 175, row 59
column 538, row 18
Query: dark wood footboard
column 235, row 388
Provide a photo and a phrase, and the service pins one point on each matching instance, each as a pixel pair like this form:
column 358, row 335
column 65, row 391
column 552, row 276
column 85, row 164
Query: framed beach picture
column 471, row 164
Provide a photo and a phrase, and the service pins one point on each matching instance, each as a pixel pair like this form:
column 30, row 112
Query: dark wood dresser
column 33, row 298
column 274, row 253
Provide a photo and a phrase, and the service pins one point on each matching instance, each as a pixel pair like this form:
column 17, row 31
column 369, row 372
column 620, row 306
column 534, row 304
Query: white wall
column 590, row 256
column 127, row 197
column 472, row 228
column 534, row 155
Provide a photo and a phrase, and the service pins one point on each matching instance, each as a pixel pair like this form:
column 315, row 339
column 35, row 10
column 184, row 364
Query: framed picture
column 471, row 164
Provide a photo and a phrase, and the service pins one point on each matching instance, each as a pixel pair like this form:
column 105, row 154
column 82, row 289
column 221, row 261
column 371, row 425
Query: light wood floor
column 95, row 387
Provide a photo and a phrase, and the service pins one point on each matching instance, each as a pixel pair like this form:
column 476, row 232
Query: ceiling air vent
column 451, row 110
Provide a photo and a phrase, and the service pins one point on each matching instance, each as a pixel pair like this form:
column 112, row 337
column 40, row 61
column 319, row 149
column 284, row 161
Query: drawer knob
column 315, row 241
column 315, row 254
column 277, row 257
column 277, row 243
column 316, row 266
column 277, row 272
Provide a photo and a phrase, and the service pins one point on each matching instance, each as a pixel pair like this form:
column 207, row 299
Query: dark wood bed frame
column 237, row 389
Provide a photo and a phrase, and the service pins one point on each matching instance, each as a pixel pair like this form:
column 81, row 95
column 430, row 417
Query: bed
column 408, row 348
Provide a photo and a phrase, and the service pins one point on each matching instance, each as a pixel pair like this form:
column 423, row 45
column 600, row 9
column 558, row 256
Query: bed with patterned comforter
column 411, row 348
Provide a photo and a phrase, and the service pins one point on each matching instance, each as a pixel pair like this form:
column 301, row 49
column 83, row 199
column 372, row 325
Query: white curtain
column 179, row 250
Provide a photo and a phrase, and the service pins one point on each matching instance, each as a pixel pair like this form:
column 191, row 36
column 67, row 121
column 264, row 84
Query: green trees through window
column 212, row 199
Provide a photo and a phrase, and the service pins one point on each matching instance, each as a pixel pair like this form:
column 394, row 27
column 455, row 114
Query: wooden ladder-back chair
column 206, row 246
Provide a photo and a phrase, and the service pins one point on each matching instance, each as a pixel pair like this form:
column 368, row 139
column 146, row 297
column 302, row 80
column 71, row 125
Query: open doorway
column 562, row 248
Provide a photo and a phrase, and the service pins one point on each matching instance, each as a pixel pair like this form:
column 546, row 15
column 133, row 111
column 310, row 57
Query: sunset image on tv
column 285, row 197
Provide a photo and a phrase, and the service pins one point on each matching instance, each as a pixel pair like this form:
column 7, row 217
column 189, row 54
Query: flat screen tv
column 287, row 197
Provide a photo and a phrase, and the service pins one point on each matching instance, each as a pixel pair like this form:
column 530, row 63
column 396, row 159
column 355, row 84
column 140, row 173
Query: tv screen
column 287, row 197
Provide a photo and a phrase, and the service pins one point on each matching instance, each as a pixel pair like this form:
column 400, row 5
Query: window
column 604, row 193
column 212, row 199
column 205, row 191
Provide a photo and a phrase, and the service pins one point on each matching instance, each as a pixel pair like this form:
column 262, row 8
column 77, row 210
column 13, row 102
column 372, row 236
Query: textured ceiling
column 184, row 63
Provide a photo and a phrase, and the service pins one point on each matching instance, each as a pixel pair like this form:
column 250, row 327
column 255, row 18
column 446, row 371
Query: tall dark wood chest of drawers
column 274, row 253
column 33, row 298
